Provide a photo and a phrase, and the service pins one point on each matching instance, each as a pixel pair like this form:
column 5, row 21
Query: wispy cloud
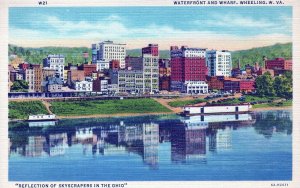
column 58, row 30
column 236, row 22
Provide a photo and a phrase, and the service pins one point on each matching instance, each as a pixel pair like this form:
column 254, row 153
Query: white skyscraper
column 219, row 63
column 108, row 50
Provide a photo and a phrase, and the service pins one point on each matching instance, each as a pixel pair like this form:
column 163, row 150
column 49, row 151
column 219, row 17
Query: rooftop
column 53, row 81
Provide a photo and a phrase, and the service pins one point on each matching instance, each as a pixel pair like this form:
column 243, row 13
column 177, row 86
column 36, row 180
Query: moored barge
column 42, row 117
column 216, row 109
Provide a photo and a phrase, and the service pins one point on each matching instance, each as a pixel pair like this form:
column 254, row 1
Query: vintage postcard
column 173, row 93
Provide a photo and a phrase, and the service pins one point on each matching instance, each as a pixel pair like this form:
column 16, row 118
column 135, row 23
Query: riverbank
column 272, row 108
column 19, row 111
column 115, row 115
column 96, row 108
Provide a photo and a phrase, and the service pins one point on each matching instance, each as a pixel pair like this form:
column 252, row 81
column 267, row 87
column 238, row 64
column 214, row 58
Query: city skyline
column 210, row 27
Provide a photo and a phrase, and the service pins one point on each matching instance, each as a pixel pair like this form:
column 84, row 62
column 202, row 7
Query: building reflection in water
column 220, row 139
column 56, row 144
column 35, row 146
column 188, row 138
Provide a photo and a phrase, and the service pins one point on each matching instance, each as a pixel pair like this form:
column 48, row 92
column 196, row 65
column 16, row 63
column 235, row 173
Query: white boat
column 42, row 117
column 216, row 109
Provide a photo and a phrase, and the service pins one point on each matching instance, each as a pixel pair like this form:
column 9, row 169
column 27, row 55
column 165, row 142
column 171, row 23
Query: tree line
column 280, row 86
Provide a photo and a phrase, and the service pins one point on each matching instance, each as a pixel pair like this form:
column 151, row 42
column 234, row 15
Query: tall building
column 56, row 62
column 187, row 64
column 34, row 77
column 130, row 81
column 150, row 68
column 29, row 77
column 185, row 51
column 38, row 77
column 108, row 50
column 219, row 63
column 188, row 142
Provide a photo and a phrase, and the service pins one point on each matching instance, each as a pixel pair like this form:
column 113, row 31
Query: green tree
column 264, row 85
column 288, row 84
column 19, row 86
column 279, row 86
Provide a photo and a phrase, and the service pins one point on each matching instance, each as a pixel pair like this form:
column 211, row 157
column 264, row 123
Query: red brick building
column 88, row 69
column 188, row 69
column 279, row 64
column 187, row 64
column 215, row 82
column 231, row 84
column 247, row 85
column 151, row 49
column 75, row 75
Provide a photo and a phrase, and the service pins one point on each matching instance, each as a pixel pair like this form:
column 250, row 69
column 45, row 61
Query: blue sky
column 211, row 27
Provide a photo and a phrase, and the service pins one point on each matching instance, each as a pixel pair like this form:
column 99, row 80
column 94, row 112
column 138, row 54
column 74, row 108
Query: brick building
column 151, row 49
column 279, row 64
column 164, row 83
column 75, row 75
column 48, row 72
column 24, row 66
column 247, row 85
column 101, row 84
column 114, row 64
column 186, row 67
column 215, row 82
column 88, row 69
column 38, row 77
column 231, row 85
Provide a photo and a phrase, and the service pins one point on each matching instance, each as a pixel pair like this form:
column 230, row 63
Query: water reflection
column 270, row 122
column 190, row 138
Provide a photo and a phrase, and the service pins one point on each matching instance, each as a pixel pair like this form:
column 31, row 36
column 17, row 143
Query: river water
column 255, row 146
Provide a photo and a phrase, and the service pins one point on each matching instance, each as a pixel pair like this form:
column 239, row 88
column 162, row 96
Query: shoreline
column 150, row 113
column 273, row 108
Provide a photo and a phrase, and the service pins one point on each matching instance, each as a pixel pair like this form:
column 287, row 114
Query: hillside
column 36, row 55
column 165, row 54
column 74, row 55
column 256, row 54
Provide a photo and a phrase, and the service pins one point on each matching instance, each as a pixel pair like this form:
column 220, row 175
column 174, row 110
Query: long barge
column 216, row 109
column 42, row 117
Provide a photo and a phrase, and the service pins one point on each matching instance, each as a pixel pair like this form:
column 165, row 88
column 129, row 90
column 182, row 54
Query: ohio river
column 255, row 146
